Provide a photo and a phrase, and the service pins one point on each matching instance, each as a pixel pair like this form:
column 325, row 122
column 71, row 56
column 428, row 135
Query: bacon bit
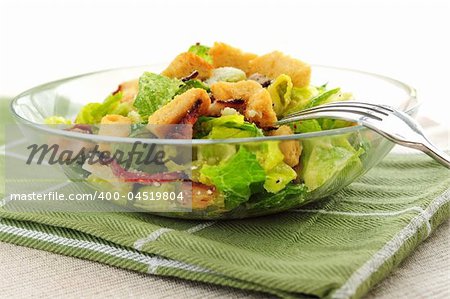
column 234, row 102
column 203, row 195
column 80, row 128
column 261, row 79
column 219, row 105
column 193, row 75
column 192, row 114
column 270, row 128
column 146, row 178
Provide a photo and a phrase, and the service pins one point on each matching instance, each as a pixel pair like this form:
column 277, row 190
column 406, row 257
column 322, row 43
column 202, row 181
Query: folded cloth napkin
column 338, row 247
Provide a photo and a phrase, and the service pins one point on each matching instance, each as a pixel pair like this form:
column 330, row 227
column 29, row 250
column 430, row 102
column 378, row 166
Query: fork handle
column 437, row 154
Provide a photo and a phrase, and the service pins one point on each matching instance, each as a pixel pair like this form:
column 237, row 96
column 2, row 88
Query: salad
column 221, row 92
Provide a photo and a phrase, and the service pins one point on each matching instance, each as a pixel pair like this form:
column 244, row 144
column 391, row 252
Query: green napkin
column 338, row 247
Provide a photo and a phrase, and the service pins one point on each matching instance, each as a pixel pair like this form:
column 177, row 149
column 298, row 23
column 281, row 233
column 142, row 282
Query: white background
column 407, row 40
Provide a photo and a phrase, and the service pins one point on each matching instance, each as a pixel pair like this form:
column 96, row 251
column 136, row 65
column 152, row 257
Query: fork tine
column 371, row 113
column 344, row 114
column 349, row 104
column 353, row 105
column 364, row 104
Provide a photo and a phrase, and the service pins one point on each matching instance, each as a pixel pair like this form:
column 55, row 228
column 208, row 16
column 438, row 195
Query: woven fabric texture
column 339, row 247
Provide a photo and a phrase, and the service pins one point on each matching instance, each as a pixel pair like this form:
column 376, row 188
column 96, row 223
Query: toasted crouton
column 239, row 90
column 129, row 90
column 260, row 110
column 276, row 63
column 113, row 125
column 176, row 110
column 291, row 149
column 226, row 55
column 258, row 103
column 184, row 64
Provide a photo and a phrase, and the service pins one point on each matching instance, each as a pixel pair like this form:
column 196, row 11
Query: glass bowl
column 66, row 97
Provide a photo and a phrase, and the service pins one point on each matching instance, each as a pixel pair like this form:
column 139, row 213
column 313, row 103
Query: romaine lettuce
column 227, row 126
column 300, row 97
column 323, row 98
column 194, row 83
column 201, row 51
column 237, row 177
column 325, row 157
column 280, row 92
column 92, row 113
column 154, row 92
column 291, row 196
column 57, row 120
column 278, row 173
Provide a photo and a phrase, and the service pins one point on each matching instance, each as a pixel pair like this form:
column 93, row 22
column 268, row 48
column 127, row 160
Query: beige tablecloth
column 26, row 272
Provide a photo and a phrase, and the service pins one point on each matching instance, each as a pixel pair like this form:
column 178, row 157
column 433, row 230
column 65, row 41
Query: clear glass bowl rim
column 409, row 91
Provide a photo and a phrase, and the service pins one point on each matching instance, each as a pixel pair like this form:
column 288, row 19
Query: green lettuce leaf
column 280, row 92
column 300, row 97
column 291, row 196
column 306, row 126
column 323, row 98
column 92, row 113
column 154, row 92
column 278, row 177
column 224, row 127
column 202, row 51
column 192, row 84
column 57, row 120
column 278, row 173
column 324, row 158
column 237, row 177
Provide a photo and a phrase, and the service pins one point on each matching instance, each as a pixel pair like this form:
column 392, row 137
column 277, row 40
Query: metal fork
column 391, row 123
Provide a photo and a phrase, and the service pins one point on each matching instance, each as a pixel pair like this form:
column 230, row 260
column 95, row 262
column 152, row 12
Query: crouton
column 225, row 55
column 260, row 110
column 176, row 111
column 129, row 90
column 239, row 90
column 184, row 64
column 276, row 63
column 258, row 103
column 291, row 149
column 114, row 125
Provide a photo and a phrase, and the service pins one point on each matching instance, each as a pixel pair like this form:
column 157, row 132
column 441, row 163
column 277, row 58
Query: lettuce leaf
column 92, row 113
column 278, row 173
column 224, row 127
column 322, row 98
column 280, row 92
column 306, row 126
column 57, row 120
column 300, row 97
column 191, row 84
column 324, row 158
column 291, row 196
column 154, row 92
column 202, row 51
column 236, row 177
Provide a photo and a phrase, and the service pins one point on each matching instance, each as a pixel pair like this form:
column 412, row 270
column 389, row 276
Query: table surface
column 30, row 272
